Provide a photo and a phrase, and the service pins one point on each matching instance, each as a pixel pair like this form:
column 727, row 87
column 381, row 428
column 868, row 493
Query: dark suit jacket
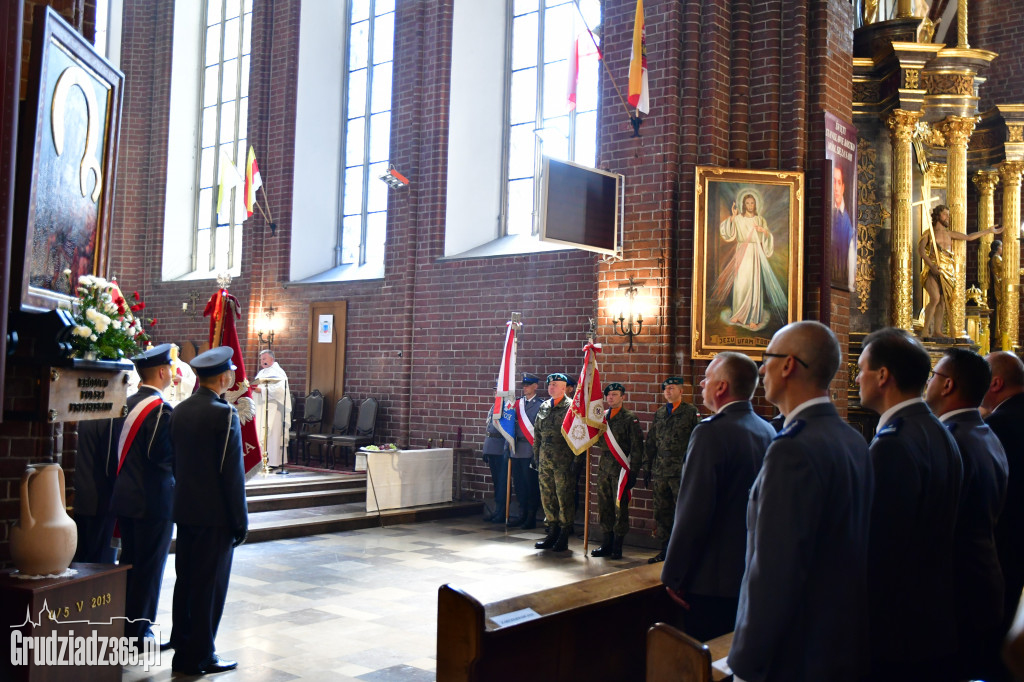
column 802, row 613
column 709, row 537
column 144, row 488
column 95, row 467
column 1007, row 421
column 918, row 475
column 978, row 578
column 208, row 447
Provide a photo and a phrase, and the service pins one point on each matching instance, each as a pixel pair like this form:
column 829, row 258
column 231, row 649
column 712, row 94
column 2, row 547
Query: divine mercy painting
column 748, row 256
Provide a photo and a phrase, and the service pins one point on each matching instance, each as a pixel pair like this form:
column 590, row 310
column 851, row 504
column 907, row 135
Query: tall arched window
column 548, row 40
column 222, row 136
column 366, row 137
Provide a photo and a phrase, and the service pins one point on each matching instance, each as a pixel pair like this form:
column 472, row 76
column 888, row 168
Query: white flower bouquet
column 105, row 323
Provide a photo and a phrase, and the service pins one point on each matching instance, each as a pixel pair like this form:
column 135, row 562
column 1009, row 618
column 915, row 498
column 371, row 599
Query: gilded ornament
column 948, row 83
column 911, row 78
column 72, row 76
column 1014, row 132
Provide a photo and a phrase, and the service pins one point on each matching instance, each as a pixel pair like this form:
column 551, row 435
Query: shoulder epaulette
column 951, row 426
column 890, row 429
column 712, row 418
column 791, row 430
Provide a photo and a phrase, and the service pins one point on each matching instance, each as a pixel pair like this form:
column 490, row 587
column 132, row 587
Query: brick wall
column 993, row 28
column 739, row 83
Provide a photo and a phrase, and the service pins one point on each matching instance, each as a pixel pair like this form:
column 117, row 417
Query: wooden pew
column 674, row 656
column 595, row 629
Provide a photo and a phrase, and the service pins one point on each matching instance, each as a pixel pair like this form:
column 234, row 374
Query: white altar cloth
column 407, row 478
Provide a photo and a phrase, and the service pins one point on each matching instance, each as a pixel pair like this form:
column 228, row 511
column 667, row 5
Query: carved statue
column 940, row 267
column 995, row 280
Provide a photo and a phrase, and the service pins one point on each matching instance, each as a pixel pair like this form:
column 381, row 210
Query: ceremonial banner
column 253, row 181
column 639, row 93
column 223, row 308
column 584, row 422
column 503, row 414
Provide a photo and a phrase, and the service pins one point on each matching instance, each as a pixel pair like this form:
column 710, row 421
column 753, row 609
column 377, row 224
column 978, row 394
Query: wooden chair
column 312, row 415
column 339, row 427
column 366, row 426
column 674, row 656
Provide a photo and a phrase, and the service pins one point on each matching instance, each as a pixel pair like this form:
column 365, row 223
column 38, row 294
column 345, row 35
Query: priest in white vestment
column 273, row 404
column 183, row 379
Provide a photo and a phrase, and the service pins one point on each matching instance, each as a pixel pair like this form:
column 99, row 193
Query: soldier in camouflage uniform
column 556, row 471
column 614, row 515
column 667, row 440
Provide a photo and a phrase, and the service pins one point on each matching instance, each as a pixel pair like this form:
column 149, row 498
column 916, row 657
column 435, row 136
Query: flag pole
column 516, row 317
column 600, row 54
column 591, row 334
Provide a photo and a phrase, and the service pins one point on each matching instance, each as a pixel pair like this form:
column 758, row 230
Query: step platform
column 306, row 502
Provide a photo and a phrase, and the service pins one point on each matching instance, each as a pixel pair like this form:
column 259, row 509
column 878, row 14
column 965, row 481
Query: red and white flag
column 639, row 93
column 584, row 422
column 223, row 309
column 253, row 180
column 583, row 54
column 502, row 414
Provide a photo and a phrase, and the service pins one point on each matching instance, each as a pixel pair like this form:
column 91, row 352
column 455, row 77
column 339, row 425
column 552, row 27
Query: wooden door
column 327, row 352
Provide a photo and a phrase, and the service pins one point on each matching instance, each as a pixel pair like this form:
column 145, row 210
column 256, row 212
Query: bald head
column 1007, row 378
column 1007, row 366
column 816, row 345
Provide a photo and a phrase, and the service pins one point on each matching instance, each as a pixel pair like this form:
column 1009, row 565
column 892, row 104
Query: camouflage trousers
column 614, row 517
column 557, row 491
column 666, row 491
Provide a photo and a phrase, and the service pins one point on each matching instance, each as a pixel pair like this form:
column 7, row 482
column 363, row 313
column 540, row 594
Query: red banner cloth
column 224, row 306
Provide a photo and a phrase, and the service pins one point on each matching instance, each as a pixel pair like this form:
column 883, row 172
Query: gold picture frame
column 747, row 264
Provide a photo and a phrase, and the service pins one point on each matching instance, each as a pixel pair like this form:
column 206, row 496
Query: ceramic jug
column 44, row 539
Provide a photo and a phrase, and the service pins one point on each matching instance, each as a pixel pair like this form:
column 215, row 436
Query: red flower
column 137, row 307
column 135, row 295
column 152, row 323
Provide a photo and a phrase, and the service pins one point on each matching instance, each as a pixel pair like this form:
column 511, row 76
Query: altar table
column 407, row 478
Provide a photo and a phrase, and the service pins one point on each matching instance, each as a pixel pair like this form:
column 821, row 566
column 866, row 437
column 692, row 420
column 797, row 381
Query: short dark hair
column 937, row 211
column 900, row 353
column 741, row 373
column 970, row 373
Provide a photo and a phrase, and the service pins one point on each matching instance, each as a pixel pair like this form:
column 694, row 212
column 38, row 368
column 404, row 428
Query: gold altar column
column 961, row 29
column 1009, row 303
column 957, row 131
column 904, row 8
column 901, row 129
column 986, row 182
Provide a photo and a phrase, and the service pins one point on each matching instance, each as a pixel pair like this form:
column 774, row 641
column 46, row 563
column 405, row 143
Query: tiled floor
column 362, row 605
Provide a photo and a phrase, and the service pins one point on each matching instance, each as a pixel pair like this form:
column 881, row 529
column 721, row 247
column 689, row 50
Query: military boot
column 660, row 556
column 617, row 548
column 562, row 543
column 606, row 546
column 529, row 520
column 549, row 540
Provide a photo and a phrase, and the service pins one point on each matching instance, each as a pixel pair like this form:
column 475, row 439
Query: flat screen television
column 580, row 206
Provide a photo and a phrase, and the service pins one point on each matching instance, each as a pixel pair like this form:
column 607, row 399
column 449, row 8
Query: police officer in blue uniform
column 705, row 557
column 918, row 475
column 95, row 471
column 210, row 511
column 494, row 455
column 802, row 612
column 955, row 390
column 524, row 478
column 143, row 493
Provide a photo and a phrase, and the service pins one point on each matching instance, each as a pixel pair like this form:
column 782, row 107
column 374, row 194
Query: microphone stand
column 284, row 417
